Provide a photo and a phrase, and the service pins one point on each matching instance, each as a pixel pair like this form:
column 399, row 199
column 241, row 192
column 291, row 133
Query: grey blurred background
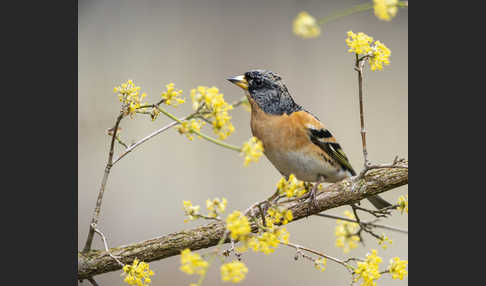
column 200, row 42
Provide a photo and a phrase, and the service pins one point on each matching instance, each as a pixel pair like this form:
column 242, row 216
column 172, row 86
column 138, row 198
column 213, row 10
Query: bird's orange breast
column 287, row 144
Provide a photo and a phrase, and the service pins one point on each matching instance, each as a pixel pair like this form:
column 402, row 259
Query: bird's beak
column 239, row 81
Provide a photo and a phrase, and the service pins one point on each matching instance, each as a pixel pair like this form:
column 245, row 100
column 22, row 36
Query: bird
column 294, row 140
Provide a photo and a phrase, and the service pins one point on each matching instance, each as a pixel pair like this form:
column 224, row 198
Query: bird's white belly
column 304, row 167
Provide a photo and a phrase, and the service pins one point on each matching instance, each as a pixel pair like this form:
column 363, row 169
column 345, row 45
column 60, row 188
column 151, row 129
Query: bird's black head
column 268, row 91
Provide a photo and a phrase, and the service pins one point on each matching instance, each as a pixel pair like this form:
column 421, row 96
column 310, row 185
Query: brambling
column 294, row 140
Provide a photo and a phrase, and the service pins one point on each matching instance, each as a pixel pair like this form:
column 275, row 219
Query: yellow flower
column 291, row 187
column 216, row 206
column 368, row 270
column 138, row 273
column 282, row 234
column 306, row 26
column 129, row 96
column 269, row 240
column 385, row 9
column 320, row 264
column 193, row 263
column 234, row 271
column 190, row 127
column 171, row 95
column 380, row 56
column 403, row 203
column 383, row 240
column 362, row 44
column 192, row 212
column 238, row 225
column 359, row 43
column 211, row 105
column 397, row 268
column 345, row 232
column 252, row 149
column 266, row 242
column 275, row 215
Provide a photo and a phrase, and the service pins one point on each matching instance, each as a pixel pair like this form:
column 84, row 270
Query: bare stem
column 239, row 102
column 359, row 69
column 299, row 247
column 204, row 136
column 121, row 142
column 109, row 164
column 155, row 133
column 92, row 281
column 366, row 223
column 106, row 245
column 352, row 10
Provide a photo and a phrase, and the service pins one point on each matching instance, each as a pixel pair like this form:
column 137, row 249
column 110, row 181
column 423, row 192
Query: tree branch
column 109, row 164
column 376, row 181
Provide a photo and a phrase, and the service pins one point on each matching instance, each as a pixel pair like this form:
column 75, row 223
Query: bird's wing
column 322, row 137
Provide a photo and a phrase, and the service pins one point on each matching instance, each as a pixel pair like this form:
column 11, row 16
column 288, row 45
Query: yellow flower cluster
column 216, row 206
column 320, row 264
column 238, row 225
column 129, row 95
column 192, row 212
column 385, row 9
column 189, row 127
column 214, row 107
column 193, row 263
column 381, row 55
column 291, row 187
column 397, row 268
column 252, row 149
column 345, row 232
column 403, row 203
column 361, row 44
column 171, row 95
column 277, row 215
column 138, row 273
column 234, row 271
column 267, row 241
column 383, row 240
column 306, row 26
column 368, row 270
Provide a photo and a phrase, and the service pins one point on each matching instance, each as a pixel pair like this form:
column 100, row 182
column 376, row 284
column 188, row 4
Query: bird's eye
column 258, row 81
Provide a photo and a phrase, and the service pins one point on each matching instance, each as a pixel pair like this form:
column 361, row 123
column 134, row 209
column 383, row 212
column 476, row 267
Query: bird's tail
column 378, row 202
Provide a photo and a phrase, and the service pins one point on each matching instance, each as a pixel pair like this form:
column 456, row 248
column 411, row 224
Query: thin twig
column 120, row 141
column 362, row 226
column 155, row 133
column 299, row 247
column 109, row 164
column 239, row 102
column 106, row 245
column 92, row 281
column 365, row 223
column 384, row 212
column 359, row 69
column 202, row 135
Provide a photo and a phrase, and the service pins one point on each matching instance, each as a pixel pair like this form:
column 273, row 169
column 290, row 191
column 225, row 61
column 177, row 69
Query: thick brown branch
column 374, row 182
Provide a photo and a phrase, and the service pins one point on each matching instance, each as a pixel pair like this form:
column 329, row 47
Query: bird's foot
column 311, row 199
